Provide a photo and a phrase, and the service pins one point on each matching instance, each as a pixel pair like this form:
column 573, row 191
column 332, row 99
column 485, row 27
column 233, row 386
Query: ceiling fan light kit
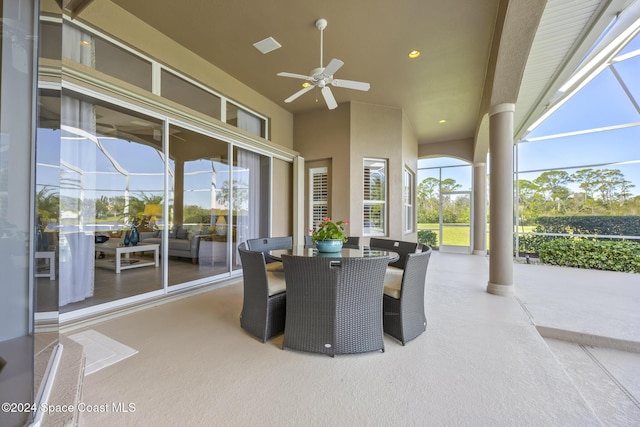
column 322, row 77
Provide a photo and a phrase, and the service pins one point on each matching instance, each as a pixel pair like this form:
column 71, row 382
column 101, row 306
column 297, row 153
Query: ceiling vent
column 267, row 45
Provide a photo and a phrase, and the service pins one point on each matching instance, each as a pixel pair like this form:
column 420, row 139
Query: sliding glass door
column 94, row 178
column 198, row 227
column 249, row 197
column 109, row 229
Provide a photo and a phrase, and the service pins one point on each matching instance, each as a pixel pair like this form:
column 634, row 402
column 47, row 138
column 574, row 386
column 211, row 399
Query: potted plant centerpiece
column 329, row 236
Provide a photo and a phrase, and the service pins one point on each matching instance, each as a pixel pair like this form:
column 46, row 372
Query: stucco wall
column 376, row 131
column 410, row 161
column 462, row 149
column 281, row 199
column 347, row 135
column 324, row 134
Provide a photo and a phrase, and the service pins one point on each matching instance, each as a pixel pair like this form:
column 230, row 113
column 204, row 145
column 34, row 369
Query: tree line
column 602, row 192
column 454, row 209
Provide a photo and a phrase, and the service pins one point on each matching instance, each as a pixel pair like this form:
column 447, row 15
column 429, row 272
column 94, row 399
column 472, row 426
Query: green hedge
column 428, row 237
column 621, row 255
column 594, row 225
column 601, row 225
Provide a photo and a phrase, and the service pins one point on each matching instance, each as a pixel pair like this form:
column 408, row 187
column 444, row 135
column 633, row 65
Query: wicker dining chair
column 403, row 303
column 266, row 244
column 308, row 243
column 264, row 301
column 400, row 247
column 334, row 304
column 352, row 242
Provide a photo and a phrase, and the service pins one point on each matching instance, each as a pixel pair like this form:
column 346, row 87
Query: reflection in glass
column 250, row 194
column 199, row 226
column 110, row 167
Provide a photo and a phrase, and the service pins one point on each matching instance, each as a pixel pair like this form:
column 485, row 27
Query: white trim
column 581, row 132
column 156, row 79
column 44, row 391
column 81, row 312
column 157, row 67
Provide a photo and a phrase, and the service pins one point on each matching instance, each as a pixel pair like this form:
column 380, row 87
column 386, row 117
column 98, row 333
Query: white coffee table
column 113, row 246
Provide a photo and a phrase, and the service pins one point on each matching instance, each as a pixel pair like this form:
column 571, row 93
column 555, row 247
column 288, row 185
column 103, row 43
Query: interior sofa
column 182, row 242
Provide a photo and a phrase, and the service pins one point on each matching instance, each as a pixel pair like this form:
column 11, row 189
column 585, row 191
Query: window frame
column 408, row 200
column 367, row 204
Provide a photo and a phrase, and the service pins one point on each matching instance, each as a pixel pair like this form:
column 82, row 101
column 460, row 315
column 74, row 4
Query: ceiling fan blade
column 333, row 66
column 328, row 98
column 299, row 93
column 350, row 84
column 295, row 76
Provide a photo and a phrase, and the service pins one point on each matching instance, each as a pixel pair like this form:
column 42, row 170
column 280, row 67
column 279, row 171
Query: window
column 188, row 94
column 88, row 47
column 83, row 47
column 245, row 120
column 407, row 196
column 375, row 198
column 319, row 192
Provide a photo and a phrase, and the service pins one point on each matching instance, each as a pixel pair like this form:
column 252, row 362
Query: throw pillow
column 181, row 233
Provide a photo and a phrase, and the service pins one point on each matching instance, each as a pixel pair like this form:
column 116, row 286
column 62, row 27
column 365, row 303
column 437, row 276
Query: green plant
column 594, row 254
column 427, row 237
column 329, row 230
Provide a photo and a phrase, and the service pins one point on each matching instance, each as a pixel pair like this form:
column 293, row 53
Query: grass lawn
column 459, row 235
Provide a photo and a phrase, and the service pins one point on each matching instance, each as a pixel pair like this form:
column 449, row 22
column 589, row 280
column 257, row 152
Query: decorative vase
column 334, row 245
column 127, row 238
column 221, row 226
column 135, row 236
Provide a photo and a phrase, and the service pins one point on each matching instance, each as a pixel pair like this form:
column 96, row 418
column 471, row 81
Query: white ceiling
column 373, row 38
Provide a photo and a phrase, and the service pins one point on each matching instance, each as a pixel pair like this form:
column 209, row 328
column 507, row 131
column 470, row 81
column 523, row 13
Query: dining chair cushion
column 393, row 282
column 276, row 267
column 276, row 282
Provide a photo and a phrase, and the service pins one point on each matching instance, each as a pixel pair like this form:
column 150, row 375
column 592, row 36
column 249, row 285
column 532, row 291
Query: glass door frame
column 442, row 224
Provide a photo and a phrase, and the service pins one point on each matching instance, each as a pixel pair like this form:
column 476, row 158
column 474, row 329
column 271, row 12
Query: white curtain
column 77, row 157
column 77, row 201
column 249, row 225
column 248, row 122
column 78, row 46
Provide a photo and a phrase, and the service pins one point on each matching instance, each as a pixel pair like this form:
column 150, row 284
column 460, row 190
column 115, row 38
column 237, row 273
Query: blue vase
column 329, row 245
column 127, row 238
column 135, row 236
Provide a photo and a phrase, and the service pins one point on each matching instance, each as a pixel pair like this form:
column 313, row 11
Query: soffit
column 567, row 30
column 373, row 39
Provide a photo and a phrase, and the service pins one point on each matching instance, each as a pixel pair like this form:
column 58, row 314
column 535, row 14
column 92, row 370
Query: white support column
column 501, row 200
column 480, row 209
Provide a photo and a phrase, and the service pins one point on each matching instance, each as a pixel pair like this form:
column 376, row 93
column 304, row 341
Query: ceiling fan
column 322, row 77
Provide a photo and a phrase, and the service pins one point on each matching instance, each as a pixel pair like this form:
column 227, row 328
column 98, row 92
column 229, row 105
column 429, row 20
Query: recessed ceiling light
column 442, row 121
column 267, row 45
column 414, row 54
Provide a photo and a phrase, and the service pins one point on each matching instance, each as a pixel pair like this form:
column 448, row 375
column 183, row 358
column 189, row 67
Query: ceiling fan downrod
column 321, row 24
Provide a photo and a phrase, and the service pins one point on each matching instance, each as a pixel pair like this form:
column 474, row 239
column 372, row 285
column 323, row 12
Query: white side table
column 50, row 259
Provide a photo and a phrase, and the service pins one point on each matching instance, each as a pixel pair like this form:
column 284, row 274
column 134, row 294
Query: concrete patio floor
column 481, row 362
column 590, row 320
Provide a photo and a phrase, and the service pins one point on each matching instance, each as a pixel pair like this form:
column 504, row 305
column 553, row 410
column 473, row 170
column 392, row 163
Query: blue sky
column 602, row 104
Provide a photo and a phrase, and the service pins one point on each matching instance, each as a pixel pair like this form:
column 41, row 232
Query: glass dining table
column 350, row 252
